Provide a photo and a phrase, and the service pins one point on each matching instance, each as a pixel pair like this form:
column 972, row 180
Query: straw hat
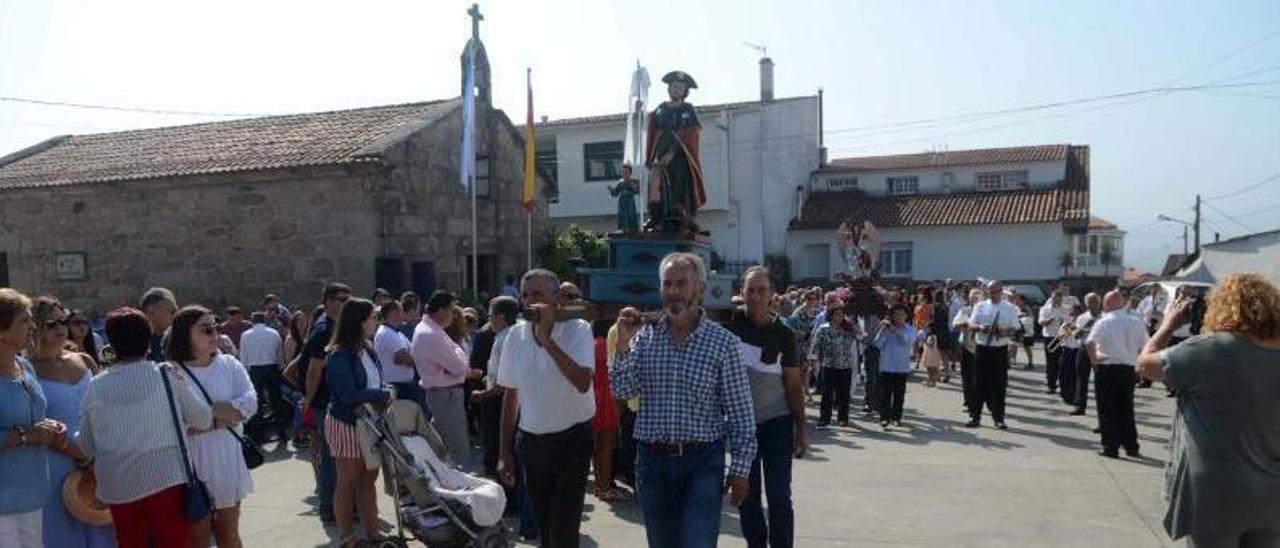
column 78, row 497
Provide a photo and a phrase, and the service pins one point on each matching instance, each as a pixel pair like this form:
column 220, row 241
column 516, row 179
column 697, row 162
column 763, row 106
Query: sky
column 880, row 63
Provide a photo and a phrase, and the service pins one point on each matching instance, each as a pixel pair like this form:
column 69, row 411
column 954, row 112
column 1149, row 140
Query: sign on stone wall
column 70, row 267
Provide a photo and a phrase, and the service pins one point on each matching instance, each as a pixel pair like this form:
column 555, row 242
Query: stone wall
column 426, row 215
column 216, row 240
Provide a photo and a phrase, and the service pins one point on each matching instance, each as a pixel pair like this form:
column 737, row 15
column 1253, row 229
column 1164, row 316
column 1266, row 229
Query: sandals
column 610, row 494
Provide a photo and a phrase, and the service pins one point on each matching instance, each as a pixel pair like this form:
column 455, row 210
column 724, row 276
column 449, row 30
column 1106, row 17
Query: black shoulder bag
column 252, row 452
column 197, row 504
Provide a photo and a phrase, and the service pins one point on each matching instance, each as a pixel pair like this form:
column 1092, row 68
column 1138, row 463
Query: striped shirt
column 128, row 430
column 698, row 393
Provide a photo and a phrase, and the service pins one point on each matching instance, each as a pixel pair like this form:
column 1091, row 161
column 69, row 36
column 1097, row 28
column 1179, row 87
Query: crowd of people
column 164, row 407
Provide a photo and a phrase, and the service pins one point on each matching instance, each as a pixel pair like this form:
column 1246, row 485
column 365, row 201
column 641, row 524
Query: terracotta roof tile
column 1008, row 155
column 322, row 138
column 1098, row 223
column 826, row 210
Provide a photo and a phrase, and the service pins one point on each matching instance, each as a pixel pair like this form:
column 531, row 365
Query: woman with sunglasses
column 64, row 377
column 82, row 337
column 27, row 433
column 216, row 454
column 354, row 378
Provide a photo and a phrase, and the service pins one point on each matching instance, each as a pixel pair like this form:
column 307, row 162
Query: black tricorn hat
column 680, row 76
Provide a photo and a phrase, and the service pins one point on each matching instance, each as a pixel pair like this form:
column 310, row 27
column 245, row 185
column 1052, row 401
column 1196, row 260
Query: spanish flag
column 526, row 197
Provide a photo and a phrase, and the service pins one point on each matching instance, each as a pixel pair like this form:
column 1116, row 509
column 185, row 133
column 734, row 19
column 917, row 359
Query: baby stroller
column 436, row 503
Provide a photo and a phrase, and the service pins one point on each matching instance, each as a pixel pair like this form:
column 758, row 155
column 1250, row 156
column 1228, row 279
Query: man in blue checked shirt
column 695, row 400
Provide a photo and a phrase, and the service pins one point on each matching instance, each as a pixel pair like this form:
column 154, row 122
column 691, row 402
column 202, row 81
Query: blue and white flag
column 467, row 167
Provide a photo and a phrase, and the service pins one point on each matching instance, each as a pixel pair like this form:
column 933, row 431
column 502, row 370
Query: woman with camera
column 1223, row 474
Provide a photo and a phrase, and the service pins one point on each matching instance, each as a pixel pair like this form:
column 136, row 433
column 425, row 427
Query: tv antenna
column 764, row 51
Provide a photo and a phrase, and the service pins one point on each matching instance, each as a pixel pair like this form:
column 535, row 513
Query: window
column 482, row 177
column 817, row 260
column 547, row 165
column 1002, row 180
column 842, row 183
column 895, row 259
column 602, row 161
column 901, row 186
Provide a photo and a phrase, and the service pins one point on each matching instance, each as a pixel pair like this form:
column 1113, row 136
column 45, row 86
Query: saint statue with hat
column 671, row 154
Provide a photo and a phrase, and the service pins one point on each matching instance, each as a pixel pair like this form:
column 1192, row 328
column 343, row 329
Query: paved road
column 930, row 483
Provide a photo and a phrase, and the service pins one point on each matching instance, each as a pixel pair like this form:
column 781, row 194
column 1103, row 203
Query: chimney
column 766, row 79
column 1216, row 237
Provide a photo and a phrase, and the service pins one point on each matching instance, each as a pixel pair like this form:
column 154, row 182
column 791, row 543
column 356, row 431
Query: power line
column 1258, row 184
column 128, row 109
column 1229, row 55
column 1229, row 217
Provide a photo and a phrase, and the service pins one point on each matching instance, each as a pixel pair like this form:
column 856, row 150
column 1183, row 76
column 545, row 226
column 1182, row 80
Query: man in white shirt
column 1083, row 364
column 1113, row 345
column 503, row 313
column 968, row 350
column 392, row 348
column 995, row 322
column 262, row 351
column 546, row 368
column 1053, row 315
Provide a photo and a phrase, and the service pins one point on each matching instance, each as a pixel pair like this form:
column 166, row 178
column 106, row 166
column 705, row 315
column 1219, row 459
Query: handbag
column 253, row 456
column 196, row 502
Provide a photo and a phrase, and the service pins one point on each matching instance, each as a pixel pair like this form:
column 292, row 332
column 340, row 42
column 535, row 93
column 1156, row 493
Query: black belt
column 674, row 449
column 553, row 437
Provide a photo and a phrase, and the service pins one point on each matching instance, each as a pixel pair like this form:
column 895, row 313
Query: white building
column 1258, row 253
column 1007, row 213
column 757, row 157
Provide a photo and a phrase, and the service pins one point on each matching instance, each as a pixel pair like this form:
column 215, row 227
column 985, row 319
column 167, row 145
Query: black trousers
column 274, row 413
column 624, row 453
column 991, row 381
column 1115, row 407
column 1067, row 358
column 490, row 433
column 893, row 388
column 835, row 393
column 871, row 371
column 968, row 384
column 1051, row 365
column 1083, row 371
column 555, row 475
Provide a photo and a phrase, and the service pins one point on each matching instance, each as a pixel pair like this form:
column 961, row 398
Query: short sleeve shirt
column 1224, row 467
column 766, row 351
column 548, row 402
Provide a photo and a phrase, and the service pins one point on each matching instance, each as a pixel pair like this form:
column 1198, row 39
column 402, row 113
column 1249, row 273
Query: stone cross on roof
column 476, row 18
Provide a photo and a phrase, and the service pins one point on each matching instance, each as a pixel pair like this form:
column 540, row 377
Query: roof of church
column 271, row 142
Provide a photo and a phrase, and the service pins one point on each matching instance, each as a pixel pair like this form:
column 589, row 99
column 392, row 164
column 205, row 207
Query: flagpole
column 528, row 246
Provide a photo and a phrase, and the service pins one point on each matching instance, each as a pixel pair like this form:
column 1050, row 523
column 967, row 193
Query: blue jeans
column 681, row 495
column 326, row 472
column 775, row 439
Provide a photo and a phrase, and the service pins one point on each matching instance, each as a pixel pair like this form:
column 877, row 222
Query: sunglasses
column 50, row 324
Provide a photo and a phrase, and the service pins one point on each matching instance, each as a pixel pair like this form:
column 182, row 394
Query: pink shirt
column 440, row 361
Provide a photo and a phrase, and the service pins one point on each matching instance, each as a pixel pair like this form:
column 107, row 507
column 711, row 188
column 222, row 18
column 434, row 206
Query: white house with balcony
column 1007, row 213
column 757, row 159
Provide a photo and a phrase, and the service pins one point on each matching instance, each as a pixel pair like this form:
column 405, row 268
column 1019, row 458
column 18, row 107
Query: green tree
column 1065, row 260
column 571, row 247
column 1108, row 256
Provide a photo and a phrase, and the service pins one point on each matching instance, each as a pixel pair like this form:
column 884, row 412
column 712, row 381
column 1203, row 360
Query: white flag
column 637, row 100
column 467, row 167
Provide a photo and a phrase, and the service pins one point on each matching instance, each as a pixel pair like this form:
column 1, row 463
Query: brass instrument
column 1066, row 333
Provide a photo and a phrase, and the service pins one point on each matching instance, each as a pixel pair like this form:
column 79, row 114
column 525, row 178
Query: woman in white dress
column 215, row 453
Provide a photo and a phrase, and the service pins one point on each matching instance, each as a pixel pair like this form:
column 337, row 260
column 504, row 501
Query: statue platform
column 632, row 276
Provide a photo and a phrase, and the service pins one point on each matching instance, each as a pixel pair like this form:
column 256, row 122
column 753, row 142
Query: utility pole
column 1197, row 225
column 1185, row 240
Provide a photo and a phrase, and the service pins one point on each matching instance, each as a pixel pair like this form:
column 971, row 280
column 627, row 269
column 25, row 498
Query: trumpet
column 1068, row 331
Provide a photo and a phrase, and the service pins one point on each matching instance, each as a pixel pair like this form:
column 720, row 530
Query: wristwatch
column 22, row 436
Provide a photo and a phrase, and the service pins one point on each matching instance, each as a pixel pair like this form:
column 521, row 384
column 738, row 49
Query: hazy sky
column 881, row 62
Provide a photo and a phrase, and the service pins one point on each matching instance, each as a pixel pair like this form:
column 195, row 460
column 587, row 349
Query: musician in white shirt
column 968, row 349
column 1083, row 366
column 995, row 321
column 1053, row 315
column 1113, row 346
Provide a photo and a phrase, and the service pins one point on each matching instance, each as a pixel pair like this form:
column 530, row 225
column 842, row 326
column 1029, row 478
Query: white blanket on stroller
column 484, row 498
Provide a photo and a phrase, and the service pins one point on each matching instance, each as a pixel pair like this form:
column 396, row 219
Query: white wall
column 1039, row 174
column 751, row 183
column 1012, row 252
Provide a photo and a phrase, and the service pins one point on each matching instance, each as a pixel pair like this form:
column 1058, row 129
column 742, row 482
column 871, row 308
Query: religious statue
column 860, row 249
column 671, row 154
column 625, row 191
